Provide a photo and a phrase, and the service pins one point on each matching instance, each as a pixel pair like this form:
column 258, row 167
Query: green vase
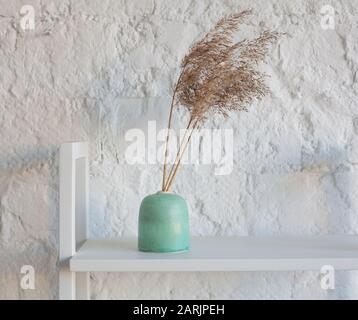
column 163, row 223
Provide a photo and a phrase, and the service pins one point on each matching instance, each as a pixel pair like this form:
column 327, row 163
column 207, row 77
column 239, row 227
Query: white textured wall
column 93, row 69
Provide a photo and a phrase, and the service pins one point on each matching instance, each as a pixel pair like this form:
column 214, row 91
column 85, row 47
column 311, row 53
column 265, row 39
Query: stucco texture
column 92, row 70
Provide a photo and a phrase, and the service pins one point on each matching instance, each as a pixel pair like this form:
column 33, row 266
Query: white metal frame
column 73, row 217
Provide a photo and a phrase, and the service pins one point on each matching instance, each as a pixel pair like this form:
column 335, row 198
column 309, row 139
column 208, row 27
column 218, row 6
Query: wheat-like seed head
column 219, row 75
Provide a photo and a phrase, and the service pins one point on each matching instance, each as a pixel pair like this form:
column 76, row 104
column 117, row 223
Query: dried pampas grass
column 218, row 76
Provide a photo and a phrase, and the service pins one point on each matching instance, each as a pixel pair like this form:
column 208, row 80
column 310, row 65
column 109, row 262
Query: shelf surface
column 222, row 254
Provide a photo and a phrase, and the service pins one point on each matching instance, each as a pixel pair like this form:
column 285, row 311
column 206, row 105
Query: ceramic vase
column 163, row 223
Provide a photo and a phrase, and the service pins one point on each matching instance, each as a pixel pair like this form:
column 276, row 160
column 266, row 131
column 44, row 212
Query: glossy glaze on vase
column 163, row 223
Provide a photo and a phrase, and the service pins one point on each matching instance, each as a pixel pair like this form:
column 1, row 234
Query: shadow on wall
column 29, row 221
column 338, row 186
column 16, row 282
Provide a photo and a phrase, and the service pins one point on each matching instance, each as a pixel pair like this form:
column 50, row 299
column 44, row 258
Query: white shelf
column 206, row 254
column 222, row 254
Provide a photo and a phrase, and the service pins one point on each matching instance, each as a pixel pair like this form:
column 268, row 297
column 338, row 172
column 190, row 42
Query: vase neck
column 165, row 192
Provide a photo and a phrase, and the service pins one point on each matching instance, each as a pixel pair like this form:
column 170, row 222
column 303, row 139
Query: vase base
column 164, row 251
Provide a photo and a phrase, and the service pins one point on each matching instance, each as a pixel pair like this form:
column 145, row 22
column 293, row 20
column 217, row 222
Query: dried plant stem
column 166, row 143
column 168, row 132
column 178, row 153
column 171, row 179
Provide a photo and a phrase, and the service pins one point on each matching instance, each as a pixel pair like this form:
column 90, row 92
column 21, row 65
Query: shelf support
column 73, row 217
